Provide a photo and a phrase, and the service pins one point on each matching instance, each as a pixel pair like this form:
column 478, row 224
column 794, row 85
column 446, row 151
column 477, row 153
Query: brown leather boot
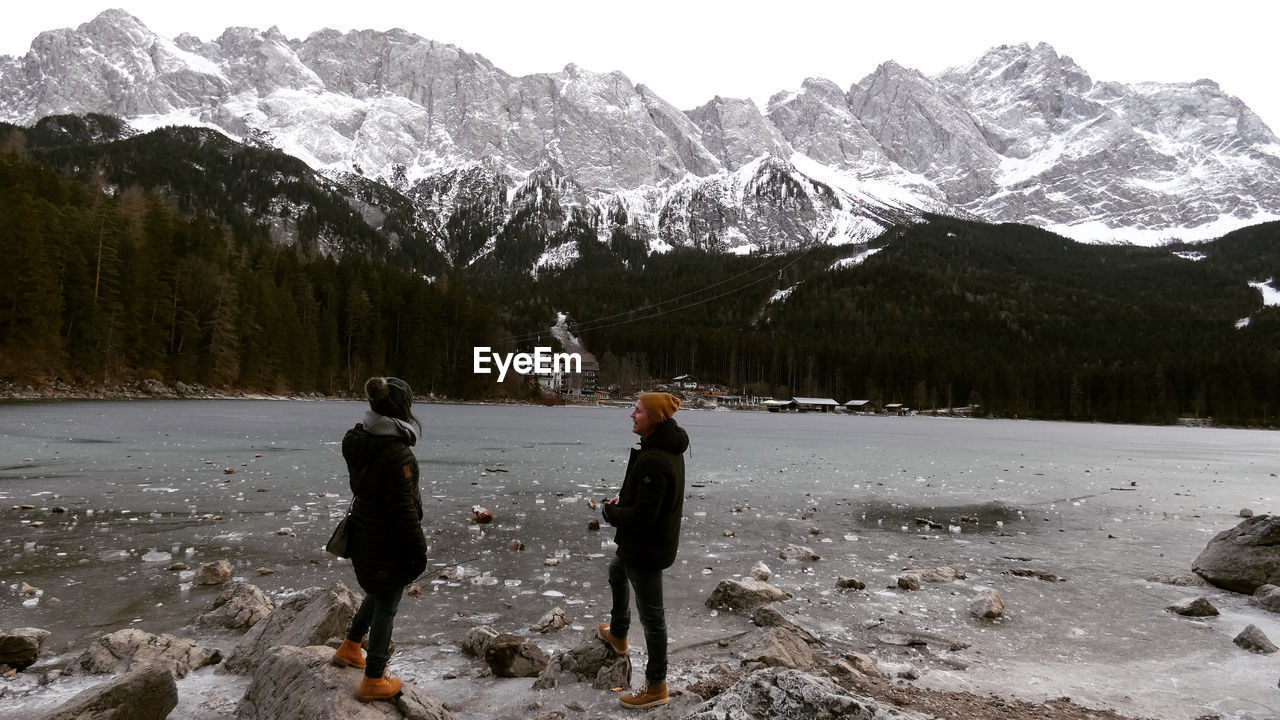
column 619, row 645
column 652, row 695
column 348, row 655
column 380, row 688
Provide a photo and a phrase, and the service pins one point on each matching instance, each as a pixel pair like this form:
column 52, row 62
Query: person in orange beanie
column 646, row 514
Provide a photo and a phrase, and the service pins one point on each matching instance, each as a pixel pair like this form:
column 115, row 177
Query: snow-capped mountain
column 1021, row 134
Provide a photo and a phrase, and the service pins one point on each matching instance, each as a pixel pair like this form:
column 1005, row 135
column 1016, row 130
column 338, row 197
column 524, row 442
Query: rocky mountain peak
column 735, row 131
column 1020, row 134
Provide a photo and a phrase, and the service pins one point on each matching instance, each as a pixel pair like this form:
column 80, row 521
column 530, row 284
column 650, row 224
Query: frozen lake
column 143, row 484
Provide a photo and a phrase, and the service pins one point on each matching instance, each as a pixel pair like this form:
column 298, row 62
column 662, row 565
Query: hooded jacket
column 651, row 501
column 385, row 530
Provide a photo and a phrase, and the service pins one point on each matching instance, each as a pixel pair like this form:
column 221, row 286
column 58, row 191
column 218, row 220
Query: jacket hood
column 376, row 424
column 669, row 437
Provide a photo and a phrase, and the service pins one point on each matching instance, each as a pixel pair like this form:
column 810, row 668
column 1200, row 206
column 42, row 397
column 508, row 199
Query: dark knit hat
column 389, row 396
column 659, row 405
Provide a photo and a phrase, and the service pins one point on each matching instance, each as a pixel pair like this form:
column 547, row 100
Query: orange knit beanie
column 660, row 406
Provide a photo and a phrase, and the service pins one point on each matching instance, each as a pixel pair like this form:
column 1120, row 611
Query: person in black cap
column 646, row 513
column 388, row 547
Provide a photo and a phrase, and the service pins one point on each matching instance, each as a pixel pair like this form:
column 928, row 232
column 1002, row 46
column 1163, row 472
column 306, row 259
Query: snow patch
column 855, row 260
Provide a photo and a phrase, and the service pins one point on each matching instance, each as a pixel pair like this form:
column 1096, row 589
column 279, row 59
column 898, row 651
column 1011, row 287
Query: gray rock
column 147, row 692
column 315, row 616
column 1266, row 597
column 553, row 620
column 987, row 604
column 786, row 694
column 849, row 583
column 769, row 616
column 1254, row 640
column 1179, row 579
column 1194, row 607
column 910, row 581
column 591, row 660
column 513, row 656
column 293, row 683
column 779, row 647
column 240, row 605
column 477, row 640
column 761, row 572
column 936, row 575
column 1244, row 557
column 798, row 552
column 123, row 650
column 213, row 573
column 741, row 595
column 20, row 647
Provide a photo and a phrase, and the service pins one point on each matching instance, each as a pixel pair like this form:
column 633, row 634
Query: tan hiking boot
column 619, row 645
column 381, row 688
column 348, row 655
column 652, row 695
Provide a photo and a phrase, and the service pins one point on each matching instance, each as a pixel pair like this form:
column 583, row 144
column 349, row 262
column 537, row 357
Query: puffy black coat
column 385, row 530
column 651, row 501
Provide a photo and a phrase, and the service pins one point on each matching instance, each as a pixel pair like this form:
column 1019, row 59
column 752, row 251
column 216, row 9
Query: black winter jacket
column 651, row 501
column 385, row 529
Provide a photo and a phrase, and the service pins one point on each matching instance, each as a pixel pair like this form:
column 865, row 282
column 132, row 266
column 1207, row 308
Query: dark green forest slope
column 161, row 255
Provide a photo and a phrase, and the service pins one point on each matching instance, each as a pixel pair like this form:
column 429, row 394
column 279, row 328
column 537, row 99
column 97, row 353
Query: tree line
column 184, row 256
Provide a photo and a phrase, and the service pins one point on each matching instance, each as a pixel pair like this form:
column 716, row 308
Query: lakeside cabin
column 807, row 404
column 860, row 406
column 780, row 405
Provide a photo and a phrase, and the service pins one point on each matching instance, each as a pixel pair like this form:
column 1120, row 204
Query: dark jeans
column 648, row 589
column 376, row 616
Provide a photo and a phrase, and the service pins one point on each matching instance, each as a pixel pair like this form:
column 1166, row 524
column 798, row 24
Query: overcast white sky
column 688, row 51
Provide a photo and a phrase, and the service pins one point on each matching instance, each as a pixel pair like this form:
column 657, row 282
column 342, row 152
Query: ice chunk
column 156, row 556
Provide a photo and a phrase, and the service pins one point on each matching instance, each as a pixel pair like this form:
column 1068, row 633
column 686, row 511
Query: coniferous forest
column 164, row 255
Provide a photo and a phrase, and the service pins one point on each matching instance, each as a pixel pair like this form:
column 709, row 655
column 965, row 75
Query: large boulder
column 123, row 650
column 1243, row 558
column 786, row 694
column 299, row 683
column 744, row 595
column 20, row 647
column 779, row 647
column 241, row 605
column 590, row 660
column 315, row 616
column 148, row 692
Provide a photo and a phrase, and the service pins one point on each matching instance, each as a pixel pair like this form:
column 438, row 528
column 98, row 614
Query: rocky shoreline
column 279, row 654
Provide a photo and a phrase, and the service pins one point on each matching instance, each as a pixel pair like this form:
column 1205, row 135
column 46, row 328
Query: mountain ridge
column 1020, row 134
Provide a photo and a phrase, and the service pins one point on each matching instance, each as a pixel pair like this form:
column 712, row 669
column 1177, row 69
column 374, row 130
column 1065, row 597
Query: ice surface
column 1102, row 506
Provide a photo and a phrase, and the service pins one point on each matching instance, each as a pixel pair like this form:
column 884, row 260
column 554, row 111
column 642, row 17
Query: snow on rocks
column 778, row 693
